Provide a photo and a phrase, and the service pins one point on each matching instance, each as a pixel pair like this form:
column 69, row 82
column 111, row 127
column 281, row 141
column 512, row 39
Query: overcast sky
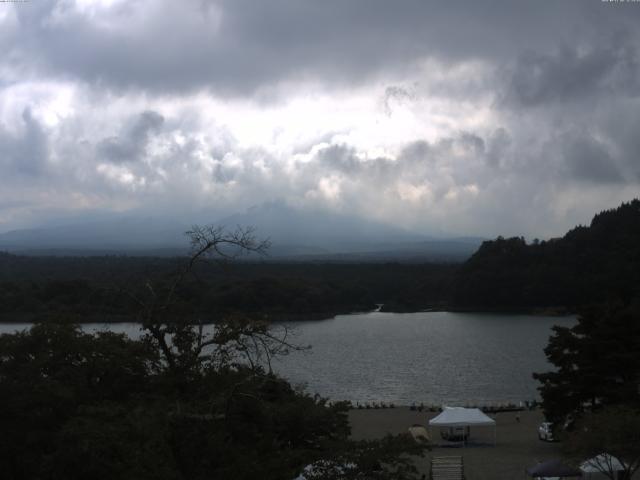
column 469, row 118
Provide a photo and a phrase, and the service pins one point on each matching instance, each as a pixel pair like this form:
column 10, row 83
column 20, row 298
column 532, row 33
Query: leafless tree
column 183, row 343
column 610, row 437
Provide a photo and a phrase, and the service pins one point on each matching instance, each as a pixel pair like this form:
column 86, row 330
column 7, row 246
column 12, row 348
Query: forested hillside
column 100, row 289
column 589, row 264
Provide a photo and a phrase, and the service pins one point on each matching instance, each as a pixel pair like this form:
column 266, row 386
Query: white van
column 545, row 431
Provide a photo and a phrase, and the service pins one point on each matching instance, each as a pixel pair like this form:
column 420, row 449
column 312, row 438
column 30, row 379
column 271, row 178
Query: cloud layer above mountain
column 476, row 118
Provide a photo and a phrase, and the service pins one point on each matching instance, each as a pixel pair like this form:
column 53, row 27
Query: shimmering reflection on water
column 431, row 357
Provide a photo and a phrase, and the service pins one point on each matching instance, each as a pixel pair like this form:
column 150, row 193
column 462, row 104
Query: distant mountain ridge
column 591, row 263
column 286, row 225
column 124, row 234
column 294, row 235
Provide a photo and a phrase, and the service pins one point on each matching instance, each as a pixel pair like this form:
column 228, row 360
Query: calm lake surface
column 430, row 357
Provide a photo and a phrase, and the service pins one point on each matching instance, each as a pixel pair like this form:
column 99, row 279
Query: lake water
column 430, row 357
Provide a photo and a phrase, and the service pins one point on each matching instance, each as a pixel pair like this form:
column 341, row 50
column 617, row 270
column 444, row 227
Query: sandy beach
column 517, row 444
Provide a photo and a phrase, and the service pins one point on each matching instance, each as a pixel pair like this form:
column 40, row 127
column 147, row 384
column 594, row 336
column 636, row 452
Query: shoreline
column 557, row 311
column 492, row 407
column 33, row 318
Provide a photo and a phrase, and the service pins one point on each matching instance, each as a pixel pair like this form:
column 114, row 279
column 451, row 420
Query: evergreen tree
column 597, row 363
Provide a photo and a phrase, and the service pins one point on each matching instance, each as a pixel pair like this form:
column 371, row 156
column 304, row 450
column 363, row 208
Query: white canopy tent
column 462, row 417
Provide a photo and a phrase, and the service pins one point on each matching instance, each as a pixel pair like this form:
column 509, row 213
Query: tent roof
column 602, row 463
column 461, row 417
column 553, row 468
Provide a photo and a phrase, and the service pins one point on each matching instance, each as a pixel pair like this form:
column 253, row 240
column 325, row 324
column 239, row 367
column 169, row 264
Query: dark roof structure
column 553, row 468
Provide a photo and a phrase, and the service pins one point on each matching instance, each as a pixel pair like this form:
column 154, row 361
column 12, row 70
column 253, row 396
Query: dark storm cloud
column 340, row 158
column 24, row 152
column 587, row 159
column 416, row 151
column 498, row 144
column 417, row 162
column 239, row 46
column 473, row 142
column 394, row 93
column 569, row 74
column 621, row 124
column 132, row 142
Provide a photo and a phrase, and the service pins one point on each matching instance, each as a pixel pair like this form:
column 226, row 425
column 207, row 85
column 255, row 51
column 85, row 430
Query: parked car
column 545, row 431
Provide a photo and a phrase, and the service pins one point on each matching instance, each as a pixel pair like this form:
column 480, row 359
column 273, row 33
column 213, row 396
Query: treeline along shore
column 92, row 288
column 589, row 264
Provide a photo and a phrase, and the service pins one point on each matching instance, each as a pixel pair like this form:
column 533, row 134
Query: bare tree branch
column 186, row 345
